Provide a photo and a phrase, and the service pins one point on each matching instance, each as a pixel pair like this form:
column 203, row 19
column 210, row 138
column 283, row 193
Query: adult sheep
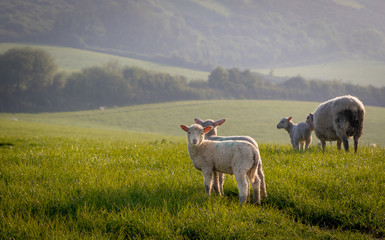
column 338, row 119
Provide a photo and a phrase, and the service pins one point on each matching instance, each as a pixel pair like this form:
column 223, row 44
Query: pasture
column 97, row 175
column 256, row 118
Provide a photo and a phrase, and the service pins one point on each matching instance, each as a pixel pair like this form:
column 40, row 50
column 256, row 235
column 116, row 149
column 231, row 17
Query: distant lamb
column 212, row 135
column 300, row 134
column 240, row 158
column 337, row 120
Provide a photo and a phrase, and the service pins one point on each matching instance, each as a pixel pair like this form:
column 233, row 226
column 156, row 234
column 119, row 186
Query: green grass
column 72, row 59
column 82, row 183
column 255, row 118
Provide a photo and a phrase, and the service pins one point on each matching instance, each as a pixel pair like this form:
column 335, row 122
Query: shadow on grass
column 6, row 144
column 133, row 197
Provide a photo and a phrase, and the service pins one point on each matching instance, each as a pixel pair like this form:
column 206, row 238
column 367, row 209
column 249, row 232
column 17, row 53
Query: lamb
column 212, row 135
column 338, row 119
column 300, row 134
column 240, row 158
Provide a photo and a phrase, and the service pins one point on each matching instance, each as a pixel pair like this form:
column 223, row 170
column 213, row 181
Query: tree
column 25, row 75
column 26, row 69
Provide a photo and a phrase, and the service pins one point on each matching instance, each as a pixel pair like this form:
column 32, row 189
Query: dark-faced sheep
column 338, row 119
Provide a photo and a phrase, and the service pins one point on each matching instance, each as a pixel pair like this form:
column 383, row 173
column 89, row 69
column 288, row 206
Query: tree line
column 31, row 82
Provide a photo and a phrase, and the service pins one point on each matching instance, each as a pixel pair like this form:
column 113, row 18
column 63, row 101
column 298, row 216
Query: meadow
column 88, row 175
column 256, row 118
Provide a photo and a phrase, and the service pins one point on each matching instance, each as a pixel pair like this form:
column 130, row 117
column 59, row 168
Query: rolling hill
column 203, row 34
column 256, row 118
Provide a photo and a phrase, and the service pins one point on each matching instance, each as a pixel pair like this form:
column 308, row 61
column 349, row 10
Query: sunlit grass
column 63, row 187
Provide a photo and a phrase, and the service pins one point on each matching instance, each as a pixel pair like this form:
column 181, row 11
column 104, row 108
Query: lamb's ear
column 219, row 122
column 184, row 128
column 198, row 121
column 208, row 129
column 290, row 118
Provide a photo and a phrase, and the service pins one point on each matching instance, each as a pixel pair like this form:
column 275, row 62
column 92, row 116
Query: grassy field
column 256, row 118
column 84, row 182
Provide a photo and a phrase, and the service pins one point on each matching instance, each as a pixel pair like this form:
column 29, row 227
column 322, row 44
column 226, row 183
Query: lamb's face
column 310, row 120
column 284, row 123
column 210, row 123
column 195, row 134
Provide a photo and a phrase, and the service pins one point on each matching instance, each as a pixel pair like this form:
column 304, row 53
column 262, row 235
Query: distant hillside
column 255, row 118
column 204, row 34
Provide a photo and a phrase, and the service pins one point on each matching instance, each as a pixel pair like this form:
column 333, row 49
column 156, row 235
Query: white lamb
column 300, row 134
column 338, row 119
column 212, row 135
column 240, row 158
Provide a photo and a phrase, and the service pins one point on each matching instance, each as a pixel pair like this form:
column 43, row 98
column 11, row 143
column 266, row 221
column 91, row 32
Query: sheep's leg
column 346, row 144
column 262, row 178
column 256, row 182
column 308, row 142
column 242, row 187
column 248, row 188
column 323, row 143
column 216, row 182
column 356, row 143
column 221, row 178
column 208, row 181
column 295, row 145
column 302, row 146
column 339, row 144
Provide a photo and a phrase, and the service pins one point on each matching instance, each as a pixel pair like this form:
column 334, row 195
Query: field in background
column 256, row 118
column 72, row 59
column 84, row 175
column 351, row 71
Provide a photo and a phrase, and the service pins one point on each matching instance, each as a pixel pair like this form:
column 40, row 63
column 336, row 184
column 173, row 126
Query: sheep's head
column 284, row 123
column 195, row 133
column 211, row 123
column 310, row 120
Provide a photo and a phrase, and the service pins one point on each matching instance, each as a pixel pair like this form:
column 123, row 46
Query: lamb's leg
column 262, row 178
column 242, row 187
column 308, row 142
column 208, row 180
column 256, row 182
column 295, row 145
column 221, row 178
column 216, row 182
column 302, row 146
